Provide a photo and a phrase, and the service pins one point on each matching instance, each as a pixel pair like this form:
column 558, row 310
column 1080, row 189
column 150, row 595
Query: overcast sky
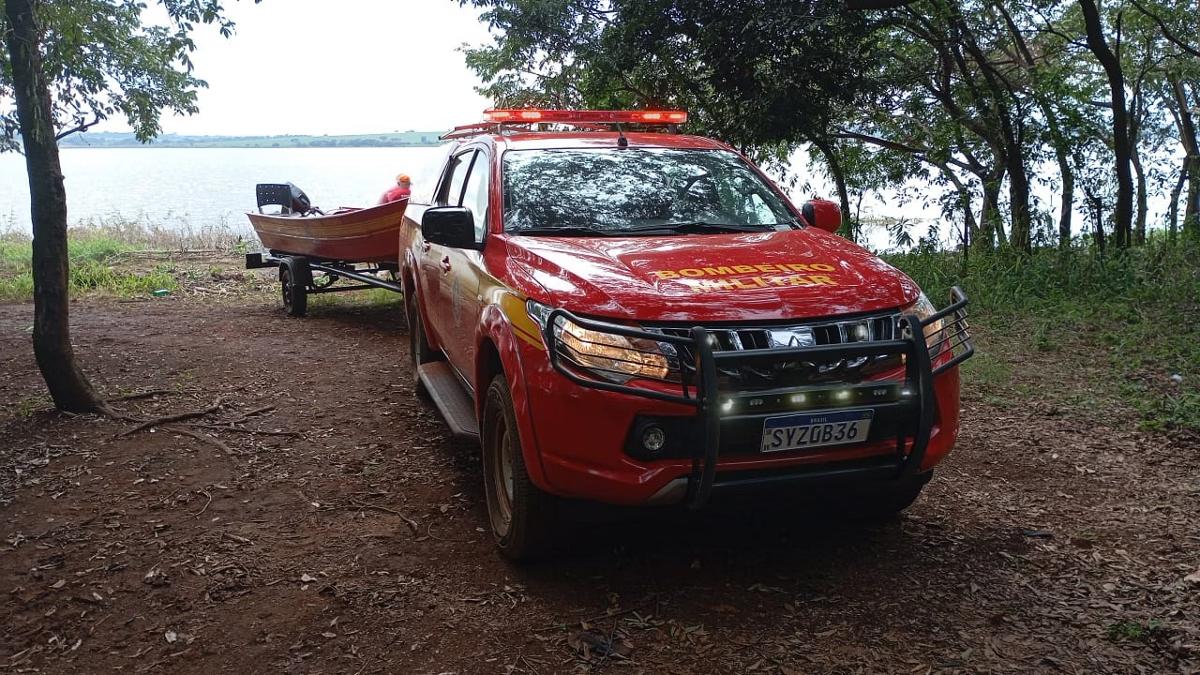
column 318, row 67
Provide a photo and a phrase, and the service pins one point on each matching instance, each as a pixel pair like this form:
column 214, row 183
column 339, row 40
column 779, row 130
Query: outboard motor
column 288, row 197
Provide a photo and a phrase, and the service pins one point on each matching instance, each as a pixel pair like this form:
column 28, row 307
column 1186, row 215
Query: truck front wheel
column 521, row 515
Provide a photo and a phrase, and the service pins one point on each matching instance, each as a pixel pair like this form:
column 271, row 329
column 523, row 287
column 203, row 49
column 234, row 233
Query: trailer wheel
column 522, row 517
column 294, row 278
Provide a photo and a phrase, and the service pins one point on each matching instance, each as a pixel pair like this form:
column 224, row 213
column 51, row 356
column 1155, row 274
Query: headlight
column 934, row 337
column 607, row 355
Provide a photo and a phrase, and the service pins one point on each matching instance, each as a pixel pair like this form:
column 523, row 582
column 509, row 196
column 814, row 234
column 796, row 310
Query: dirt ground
column 320, row 519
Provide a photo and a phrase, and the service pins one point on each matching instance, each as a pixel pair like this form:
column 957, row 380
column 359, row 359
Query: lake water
column 197, row 189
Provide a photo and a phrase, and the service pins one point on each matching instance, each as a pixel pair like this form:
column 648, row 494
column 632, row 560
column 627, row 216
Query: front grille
column 791, row 373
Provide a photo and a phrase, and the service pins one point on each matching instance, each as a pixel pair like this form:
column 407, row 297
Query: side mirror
column 822, row 213
column 452, row 226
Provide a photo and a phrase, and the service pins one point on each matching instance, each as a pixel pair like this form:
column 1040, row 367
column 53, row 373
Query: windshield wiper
column 565, row 231
column 700, row 226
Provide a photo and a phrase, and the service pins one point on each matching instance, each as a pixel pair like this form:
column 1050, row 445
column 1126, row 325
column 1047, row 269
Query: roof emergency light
column 585, row 116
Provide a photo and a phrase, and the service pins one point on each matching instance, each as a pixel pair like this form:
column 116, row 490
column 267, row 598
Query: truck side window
column 451, row 192
column 476, row 195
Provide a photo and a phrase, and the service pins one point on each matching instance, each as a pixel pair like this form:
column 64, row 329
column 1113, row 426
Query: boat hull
column 354, row 235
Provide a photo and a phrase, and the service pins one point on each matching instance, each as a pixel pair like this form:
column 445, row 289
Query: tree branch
column 82, row 126
column 856, row 5
column 1162, row 26
column 920, row 153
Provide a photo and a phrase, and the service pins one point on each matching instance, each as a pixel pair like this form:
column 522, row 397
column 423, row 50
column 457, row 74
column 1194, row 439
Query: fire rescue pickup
column 644, row 318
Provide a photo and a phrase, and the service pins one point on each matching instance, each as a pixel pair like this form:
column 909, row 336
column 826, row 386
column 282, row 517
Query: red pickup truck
column 643, row 318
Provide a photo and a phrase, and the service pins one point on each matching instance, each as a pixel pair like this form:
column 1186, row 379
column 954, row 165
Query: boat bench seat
column 288, row 197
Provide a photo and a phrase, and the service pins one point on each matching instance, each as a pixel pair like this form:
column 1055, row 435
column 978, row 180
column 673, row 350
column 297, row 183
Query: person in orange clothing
column 401, row 191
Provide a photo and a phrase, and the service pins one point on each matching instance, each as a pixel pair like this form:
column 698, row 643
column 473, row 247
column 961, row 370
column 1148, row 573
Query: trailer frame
column 297, row 281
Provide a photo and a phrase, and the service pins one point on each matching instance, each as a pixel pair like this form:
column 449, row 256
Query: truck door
column 434, row 258
column 465, row 268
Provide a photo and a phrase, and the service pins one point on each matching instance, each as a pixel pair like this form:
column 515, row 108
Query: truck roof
column 549, row 140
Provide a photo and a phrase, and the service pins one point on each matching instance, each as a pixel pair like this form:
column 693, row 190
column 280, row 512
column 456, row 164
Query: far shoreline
column 155, row 146
column 395, row 139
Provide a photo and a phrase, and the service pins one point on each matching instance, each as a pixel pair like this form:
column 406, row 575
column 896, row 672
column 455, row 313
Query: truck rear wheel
column 522, row 517
column 419, row 349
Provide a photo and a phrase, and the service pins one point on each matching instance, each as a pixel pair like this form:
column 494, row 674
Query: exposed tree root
column 215, row 442
column 160, row 421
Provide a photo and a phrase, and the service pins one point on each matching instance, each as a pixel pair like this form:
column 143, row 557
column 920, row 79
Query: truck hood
column 793, row 274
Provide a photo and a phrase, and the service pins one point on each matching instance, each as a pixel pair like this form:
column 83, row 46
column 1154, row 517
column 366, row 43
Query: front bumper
column 589, row 419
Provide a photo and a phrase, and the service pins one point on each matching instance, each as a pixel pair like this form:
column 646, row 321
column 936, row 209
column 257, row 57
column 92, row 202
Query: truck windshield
column 618, row 191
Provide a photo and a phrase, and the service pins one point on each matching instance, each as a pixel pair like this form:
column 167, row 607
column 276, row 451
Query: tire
column 522, row 517
column 419, row 349
column 294, row 279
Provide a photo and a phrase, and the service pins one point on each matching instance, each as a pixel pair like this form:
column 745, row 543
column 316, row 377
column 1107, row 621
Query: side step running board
column 450, row 398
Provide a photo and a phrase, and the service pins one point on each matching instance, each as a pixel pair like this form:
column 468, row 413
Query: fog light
column 799, row 399
column 843, row 395
column 727, row 405
column 653, row 438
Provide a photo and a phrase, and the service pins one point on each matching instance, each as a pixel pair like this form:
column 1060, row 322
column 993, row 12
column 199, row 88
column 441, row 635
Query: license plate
column 795, row 432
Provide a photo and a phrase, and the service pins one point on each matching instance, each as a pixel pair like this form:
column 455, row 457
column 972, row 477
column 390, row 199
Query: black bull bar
column 699, row 387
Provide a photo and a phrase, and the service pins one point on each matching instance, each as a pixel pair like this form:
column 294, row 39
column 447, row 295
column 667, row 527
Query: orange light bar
column 585, row 116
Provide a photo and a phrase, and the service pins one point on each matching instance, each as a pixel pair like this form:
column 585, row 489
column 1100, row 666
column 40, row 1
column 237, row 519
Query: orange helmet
column 402, row 178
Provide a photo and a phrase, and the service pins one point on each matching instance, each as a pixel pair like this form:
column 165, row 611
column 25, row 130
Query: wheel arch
column 497, row 351
column 412, row 294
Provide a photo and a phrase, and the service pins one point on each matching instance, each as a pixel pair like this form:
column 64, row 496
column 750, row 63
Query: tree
column 1097, row 41
column 70, row 65
column 984, row 99
column 764, row 77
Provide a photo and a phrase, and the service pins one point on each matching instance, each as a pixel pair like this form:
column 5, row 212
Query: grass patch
column 1136, row 312
column 92, row 254
column 1136, row 631
column 372, row 297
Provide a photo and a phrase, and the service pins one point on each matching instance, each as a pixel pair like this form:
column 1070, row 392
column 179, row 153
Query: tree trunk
column 1097, row 208
column 1018, row 186
column 970, row 227
column 1063, row 156
column 1018, row 201
column 1137, row 115
column 1142, row 206
column 1098, row 44
column 849, row 226
column 1173, row 209
column 68, row 386
column 989, row 214
column 1191, row 164
column 1068, row 201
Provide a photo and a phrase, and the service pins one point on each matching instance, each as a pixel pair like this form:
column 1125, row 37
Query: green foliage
column 1139, row 310
column 975, row 99
column 102, row 59
column 749, row 71
column 94, row 268
column 1136, row 631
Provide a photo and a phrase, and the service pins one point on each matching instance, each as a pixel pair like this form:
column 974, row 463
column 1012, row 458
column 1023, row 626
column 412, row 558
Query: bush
column 1141, row 305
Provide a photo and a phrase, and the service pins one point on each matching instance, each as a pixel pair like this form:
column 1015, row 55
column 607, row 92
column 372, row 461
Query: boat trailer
column 297, row 281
